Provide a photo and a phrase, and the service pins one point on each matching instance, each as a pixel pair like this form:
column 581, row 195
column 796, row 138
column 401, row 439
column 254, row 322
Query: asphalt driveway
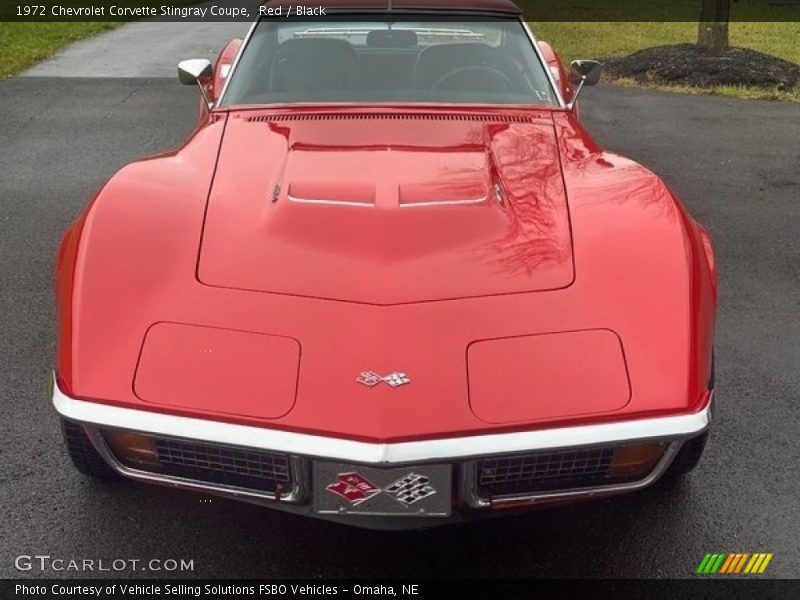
column 736, row 164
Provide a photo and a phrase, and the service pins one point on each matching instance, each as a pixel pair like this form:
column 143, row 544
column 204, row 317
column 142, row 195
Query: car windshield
column 411, row 60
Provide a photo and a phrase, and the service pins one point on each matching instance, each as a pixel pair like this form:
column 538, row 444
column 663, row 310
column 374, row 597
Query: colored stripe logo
column 731, row 563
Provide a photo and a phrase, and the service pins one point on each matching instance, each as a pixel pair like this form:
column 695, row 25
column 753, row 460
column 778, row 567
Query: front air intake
column 238, row 467
column 543, row 472
column 230, row 466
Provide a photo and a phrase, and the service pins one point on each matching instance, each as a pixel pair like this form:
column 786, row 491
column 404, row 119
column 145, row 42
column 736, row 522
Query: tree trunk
column 713, row 29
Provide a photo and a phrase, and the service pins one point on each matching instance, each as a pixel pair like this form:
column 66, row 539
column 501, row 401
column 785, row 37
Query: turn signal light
column 129, row 446
column 635, row 461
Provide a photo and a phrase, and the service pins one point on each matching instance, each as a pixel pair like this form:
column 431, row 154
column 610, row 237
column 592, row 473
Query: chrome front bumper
column 305, row 448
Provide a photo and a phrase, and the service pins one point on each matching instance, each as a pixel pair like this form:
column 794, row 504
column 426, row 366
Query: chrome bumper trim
column 674, row 428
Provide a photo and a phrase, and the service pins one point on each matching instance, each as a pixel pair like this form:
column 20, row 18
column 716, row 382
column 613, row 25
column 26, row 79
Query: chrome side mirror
column 581, row 73
column 196, row 71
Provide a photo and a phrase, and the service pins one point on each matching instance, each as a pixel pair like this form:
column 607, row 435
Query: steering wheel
column 497, row 74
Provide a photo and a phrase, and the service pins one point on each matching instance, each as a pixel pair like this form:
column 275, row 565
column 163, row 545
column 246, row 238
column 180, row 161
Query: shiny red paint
column 214, row 87
column 567, row 285
column 560, row 74
column 392, row 247
column 223, row 65
column 209, row 356
column 587, row 366
column 557, row 68
column 639, row 262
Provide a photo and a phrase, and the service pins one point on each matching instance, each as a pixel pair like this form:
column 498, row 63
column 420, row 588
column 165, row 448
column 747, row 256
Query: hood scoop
column 342, row 193
column 409, row 195
column 448, row 193
column 382, row 212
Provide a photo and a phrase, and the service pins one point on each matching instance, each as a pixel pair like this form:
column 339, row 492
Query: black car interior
column 392, row 60
column 303, row 65
column 330, row 64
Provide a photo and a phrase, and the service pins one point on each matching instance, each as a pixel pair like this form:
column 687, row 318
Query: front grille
column 238, row 467
column 543, row 472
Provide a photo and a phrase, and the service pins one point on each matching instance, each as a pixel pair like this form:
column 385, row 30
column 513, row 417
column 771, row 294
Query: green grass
column 727, row 91
column 25, row 44
column 610, row 40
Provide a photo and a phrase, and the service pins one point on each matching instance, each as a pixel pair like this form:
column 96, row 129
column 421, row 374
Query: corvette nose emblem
column 371, row 379
column 353, row 487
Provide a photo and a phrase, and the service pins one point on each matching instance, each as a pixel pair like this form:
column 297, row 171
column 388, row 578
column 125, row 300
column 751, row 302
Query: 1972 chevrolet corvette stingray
column 388, row 281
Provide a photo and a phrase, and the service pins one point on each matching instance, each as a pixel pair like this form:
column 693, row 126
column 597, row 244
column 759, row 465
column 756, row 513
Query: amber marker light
column 635, row 460
column 129, row 446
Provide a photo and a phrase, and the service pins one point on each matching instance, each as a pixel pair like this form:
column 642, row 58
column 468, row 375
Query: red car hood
column 385, row 208
column 627, row 336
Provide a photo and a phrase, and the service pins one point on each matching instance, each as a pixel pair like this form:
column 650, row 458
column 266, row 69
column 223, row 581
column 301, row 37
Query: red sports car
column 388, row 281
